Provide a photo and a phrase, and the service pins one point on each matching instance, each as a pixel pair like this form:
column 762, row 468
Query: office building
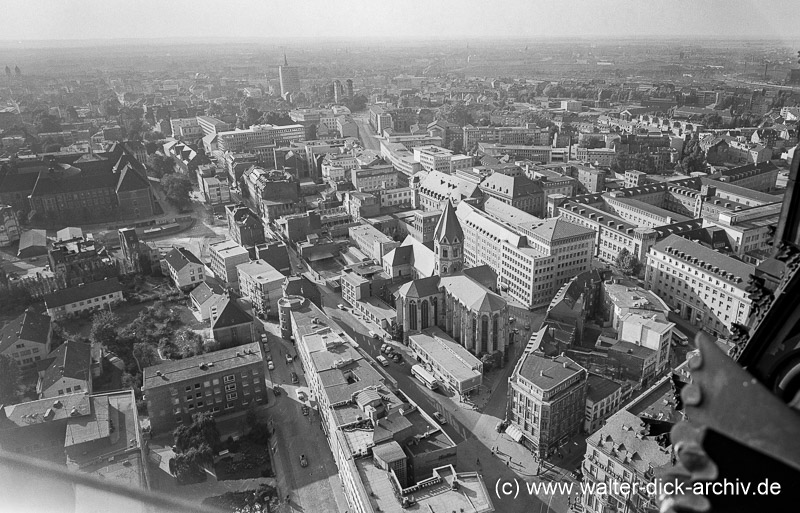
column 705, row 287
column 547, row 400
column 449, row 362
column 221, row 382
column 518, row 191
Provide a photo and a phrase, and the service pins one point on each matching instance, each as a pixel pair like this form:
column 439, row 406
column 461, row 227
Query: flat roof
column 450, row 355
column 547, row 372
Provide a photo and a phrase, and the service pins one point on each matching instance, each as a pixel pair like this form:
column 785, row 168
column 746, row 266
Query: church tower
column 448, row 242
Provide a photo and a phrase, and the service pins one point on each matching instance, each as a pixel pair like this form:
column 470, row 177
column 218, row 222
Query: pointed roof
column 71, row 359
column 448, row 229
column 229, row 314
column 420, row 288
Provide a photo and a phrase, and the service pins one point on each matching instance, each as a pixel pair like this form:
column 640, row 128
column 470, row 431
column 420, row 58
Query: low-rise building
column 449, row 362
column 371, row 241
column 69, row 370
column 231, row 324
column 185, row 269
column 26, row 339
column 262, row 284
column 603, row 398
column 203, row 297
column 221, row 382
column 547, row 400
column 89, row 297
column 225, row 257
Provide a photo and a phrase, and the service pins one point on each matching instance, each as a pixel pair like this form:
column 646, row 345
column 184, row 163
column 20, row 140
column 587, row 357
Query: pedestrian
column 506, row 463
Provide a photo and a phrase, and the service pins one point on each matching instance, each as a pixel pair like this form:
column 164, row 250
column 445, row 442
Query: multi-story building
column 89, row 297
column 484, row 238
column 76, row 258
column 211, row 126
column 603, row 397
column 361, row 204
column 518, row 191
column 627, row 450
column 26, row 339
column 262, row 284
column 397, row 197
column 401, row 158
column 226, row 255
column 434, row 158
column 547, row 400
column 555, row 251
column 762, row 176
column 532, row 135
column 274, row 253
column 553, row 182
column 540, row 154
column 748, row 229
column 704, row 286
column 244, row 226
column 69, row 370
column 449, row 362
column 602, row 157
column 289, row 78
column 437, row 188
column 273, row 193
column 593, row 180
column 421, row 224
column 220, row 382
column 335, row 167
column 260, row 140
column 375, row 177
column 371, row 241
column 355, row 403
column 380, row 119
column 215, row 191
column 185, row 269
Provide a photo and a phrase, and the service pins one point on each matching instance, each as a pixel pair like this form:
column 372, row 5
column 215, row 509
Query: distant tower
column 17, row 71
column 289, row 78
column 448, row 242
column 349, row 85
column 338, row 91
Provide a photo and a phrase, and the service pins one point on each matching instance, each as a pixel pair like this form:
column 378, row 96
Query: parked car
column 266, row 347
column 372, row 334
column 294, row 378
column 384, row 347
column 511, row 319
column 341, row 306
column 305, row 409
column 301, row 395
column 383, row 361
column 439, row 417
column 289, row 358
column 303, row 460
column 397, row 358
column 270, row 365
column 276, row 390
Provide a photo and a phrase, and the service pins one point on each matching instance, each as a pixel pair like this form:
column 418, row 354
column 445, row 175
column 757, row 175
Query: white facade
column 262, row 284
column 225, row 256
column 101, row 302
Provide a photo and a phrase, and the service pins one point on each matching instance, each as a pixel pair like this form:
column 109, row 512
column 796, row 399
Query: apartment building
column 555, row 251
column 603, row 398
column 262, row 284
column 260, row 140
column 602, row 157
column 88, row 297
column 377, row 177
column 226, row 255
column 26, row 339
column 371, row 241
column 702, row 285
column 539, row 154
column 547, row 400
column 68, row 370
column 627, row 450
column 221, row 382
column 438, row 187
column 185, row 269
column 244, row 226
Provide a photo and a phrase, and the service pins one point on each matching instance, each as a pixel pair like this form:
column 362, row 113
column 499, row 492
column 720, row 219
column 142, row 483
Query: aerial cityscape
column 314, row 270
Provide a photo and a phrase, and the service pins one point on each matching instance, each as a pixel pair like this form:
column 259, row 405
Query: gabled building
column 26, row 339
column 84, row 298
column 69, row 370
column 203, row 297
column 185, row 269
column 231, row 325
column 244, row 226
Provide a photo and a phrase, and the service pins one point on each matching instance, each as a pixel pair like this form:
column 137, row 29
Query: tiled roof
column 511, row 186
column 179, row 258
column 738, row 271
column 420, row 288
column 600, row 388
column 82, row 292
column 545, row 372
column 229, row 313
column 472, row 294
column 71, row 359
column 205, row 291
column 28, row 326
column 448, row 229
column 552, row 230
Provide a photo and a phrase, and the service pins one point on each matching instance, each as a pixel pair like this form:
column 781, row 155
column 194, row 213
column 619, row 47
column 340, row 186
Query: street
column 365, row 133
column 472, row 428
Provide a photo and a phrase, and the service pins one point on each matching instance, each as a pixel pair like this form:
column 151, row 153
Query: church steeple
column 448, row 242
column 285, row 62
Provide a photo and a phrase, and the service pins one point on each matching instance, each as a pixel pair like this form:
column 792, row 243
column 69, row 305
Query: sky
column 397, row 19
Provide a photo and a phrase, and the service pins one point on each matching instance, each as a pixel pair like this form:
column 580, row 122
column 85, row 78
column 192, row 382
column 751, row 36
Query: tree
column 48, row 123
column 627, row 263
column 457, row 113
column 9, row 380
column 104, row 330
column 160, row 165
column 251, row 116
column 276, row 118
column 397, row 331
column 177, row 188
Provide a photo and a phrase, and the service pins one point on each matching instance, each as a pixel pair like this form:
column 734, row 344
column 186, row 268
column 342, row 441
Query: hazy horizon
column 87, row 21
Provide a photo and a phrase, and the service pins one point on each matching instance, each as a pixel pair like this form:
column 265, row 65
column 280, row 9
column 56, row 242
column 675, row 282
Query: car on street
column 527, row 326
column 386, row 349
column 372, row 334
column 397, row 358
column 294, row 378
column 383, row 361
column 301, row 395
column 439, row 417
column 276, row 390
column 305, row 409
column 270, row 365
column 288, row 358
column 340, row 306
column 266, row 347
column 511, row 319
column 303, row 460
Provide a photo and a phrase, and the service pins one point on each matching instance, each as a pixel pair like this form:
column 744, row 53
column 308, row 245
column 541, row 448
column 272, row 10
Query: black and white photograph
column 456, row 256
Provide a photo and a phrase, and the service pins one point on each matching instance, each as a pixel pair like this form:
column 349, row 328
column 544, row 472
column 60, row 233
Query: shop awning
column 514, row 432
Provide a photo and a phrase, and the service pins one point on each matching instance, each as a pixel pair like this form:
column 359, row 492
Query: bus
column 425, row 377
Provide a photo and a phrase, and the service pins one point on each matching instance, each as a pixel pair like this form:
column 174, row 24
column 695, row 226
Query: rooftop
column 195, row 367
column 82, row 292
column 28, row 326
column 261, row 271
column 547, row 373
column 448, row 353
column 722, row 266
column 227, row 249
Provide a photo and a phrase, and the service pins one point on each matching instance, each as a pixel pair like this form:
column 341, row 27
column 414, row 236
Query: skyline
column 411, row 19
